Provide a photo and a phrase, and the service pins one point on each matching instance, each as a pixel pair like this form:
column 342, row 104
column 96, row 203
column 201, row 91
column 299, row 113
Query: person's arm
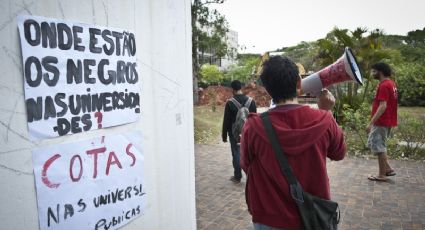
column 226, row 122
column 337, row 147
column 381, row 109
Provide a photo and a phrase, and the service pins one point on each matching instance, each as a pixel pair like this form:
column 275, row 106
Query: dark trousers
column 237, row 173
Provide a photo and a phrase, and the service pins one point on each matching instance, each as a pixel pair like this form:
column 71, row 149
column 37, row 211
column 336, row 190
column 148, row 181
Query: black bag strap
column 295, row 187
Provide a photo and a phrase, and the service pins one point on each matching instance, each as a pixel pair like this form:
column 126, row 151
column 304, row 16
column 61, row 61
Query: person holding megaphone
column 306, row 136
column 343, row 70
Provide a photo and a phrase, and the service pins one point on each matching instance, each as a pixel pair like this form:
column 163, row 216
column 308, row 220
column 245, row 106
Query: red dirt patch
column 222, row 94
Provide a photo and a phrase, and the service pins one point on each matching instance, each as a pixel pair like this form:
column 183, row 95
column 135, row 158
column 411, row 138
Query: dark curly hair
column 384, row 68
column 236, row 85
column 280, row 76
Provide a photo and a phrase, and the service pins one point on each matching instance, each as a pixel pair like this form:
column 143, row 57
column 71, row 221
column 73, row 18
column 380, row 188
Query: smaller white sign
column 92, row 184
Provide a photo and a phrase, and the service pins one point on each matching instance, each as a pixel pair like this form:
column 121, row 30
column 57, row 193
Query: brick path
column 364, row 204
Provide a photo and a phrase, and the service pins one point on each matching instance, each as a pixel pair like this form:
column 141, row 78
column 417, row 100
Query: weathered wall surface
column 163, row 33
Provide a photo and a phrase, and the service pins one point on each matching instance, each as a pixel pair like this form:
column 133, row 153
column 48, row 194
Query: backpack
column 241, row 117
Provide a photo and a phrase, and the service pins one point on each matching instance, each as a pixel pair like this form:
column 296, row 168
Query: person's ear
column 299, row 86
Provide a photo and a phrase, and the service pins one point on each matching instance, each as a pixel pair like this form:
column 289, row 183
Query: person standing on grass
column 230, row 112
column 384, row 117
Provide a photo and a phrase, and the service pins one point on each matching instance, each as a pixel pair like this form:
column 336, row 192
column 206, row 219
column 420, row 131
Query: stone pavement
column 364, row 204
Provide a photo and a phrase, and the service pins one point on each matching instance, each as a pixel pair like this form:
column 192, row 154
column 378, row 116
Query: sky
column 265, row 25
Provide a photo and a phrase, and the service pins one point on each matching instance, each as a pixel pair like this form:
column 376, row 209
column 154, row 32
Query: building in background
column 210, row 57
column 232, row 47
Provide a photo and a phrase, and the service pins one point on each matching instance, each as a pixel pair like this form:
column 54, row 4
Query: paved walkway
column 364, row 204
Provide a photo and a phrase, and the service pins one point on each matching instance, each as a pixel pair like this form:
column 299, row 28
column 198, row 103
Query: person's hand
column 368, row 128
column 326, row 100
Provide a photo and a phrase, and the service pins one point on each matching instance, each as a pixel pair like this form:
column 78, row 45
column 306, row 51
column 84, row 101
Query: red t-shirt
column 387, row 91
column 308, row 136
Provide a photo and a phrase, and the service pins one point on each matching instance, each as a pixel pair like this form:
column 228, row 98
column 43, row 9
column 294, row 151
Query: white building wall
column 163, row 33
column 232, row 44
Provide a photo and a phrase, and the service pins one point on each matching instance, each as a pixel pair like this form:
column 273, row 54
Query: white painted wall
column 163, row 33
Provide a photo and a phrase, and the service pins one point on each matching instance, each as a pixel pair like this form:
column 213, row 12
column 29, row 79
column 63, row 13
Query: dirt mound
column 259, row 93
column 222, row 94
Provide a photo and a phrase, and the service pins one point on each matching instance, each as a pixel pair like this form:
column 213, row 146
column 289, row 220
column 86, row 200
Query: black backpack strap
column 295, row 187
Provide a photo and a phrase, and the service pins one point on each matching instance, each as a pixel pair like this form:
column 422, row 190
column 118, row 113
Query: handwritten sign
column 77, row 77
column 93, row 184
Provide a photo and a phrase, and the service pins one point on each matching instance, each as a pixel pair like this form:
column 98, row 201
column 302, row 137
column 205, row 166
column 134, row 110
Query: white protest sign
column 77, row 77
column 92, row 184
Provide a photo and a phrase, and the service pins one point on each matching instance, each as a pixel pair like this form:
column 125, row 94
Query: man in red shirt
column 307, row 137
column 384, row 117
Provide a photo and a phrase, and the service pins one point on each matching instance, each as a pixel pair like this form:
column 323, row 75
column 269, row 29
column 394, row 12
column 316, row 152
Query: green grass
column 208, row 128
column 356, row 147
column 208, row 124
column 417, row 112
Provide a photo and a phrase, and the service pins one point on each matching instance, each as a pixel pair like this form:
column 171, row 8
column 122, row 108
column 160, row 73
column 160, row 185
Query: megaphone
column 344, row 69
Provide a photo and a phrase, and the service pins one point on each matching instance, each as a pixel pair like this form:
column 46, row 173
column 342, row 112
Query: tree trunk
column 350, row 93
column 366, row 88
column 195, row 61
column 195, row 89
column 356, row 88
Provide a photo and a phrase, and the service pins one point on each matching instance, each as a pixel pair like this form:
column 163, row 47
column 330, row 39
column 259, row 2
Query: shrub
column 410, row 80
column 211, row 74
column 410, row 136
column 354, row 122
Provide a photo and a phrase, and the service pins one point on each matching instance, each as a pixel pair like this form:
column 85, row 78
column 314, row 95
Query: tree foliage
column 414, row 49
column 211, row 74
column 406, row 56
column 416, row 38
column 243, row 70
column 410, row 78
column 209, row 30
column 368, row 49
column 304, row 53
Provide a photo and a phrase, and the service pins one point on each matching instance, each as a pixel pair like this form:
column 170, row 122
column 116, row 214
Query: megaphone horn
column 344, row 69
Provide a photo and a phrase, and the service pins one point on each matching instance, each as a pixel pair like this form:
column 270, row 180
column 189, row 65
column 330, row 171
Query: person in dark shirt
column 230, row 112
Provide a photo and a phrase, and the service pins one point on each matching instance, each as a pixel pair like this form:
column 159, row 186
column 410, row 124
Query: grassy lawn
column 415, row 131
column 356, row 141
column 208, row 129
column 208, row 124
column 417, row 112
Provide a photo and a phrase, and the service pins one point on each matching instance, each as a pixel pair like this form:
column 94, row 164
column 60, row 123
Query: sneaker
column 234, row 180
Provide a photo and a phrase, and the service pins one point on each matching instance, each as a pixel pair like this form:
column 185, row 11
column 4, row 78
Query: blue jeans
column 237, row 172
column 263, row 227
